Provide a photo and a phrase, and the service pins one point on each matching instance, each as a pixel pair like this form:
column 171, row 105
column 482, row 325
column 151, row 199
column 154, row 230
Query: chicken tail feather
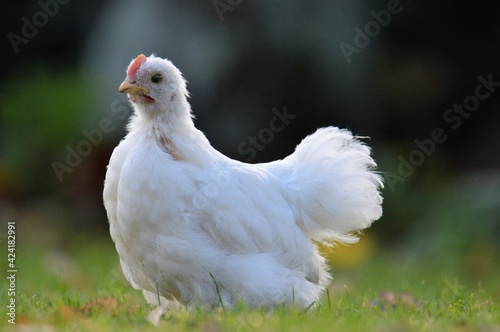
column 333, row 185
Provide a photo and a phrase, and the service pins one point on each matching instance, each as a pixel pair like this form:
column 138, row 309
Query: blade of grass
column 221, row 303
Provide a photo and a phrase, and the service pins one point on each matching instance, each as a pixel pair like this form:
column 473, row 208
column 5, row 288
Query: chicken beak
column 132, row 87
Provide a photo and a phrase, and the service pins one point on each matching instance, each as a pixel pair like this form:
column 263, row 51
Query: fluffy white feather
column 186, row 218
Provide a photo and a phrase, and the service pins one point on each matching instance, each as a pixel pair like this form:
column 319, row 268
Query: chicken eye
column 156, row 78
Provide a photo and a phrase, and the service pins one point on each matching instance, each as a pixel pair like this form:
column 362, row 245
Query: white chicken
column 194, row 226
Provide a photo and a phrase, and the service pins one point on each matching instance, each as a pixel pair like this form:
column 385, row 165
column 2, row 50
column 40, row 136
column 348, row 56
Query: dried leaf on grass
column 393, row 299
column 102, row 303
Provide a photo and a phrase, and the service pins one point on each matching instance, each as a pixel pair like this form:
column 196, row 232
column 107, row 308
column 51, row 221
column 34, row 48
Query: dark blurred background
column 395, row 71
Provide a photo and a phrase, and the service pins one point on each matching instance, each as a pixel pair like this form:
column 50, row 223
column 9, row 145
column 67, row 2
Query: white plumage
column 192, row 225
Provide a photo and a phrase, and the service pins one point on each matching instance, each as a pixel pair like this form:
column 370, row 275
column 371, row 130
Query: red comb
column 136, row 64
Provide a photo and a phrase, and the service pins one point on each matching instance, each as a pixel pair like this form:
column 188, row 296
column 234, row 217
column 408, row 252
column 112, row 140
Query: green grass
column 82, row 289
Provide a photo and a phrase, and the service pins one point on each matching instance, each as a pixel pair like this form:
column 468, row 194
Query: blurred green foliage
column 39, row 117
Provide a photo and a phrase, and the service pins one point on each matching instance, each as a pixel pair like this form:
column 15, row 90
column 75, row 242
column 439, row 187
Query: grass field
column 82, row 289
